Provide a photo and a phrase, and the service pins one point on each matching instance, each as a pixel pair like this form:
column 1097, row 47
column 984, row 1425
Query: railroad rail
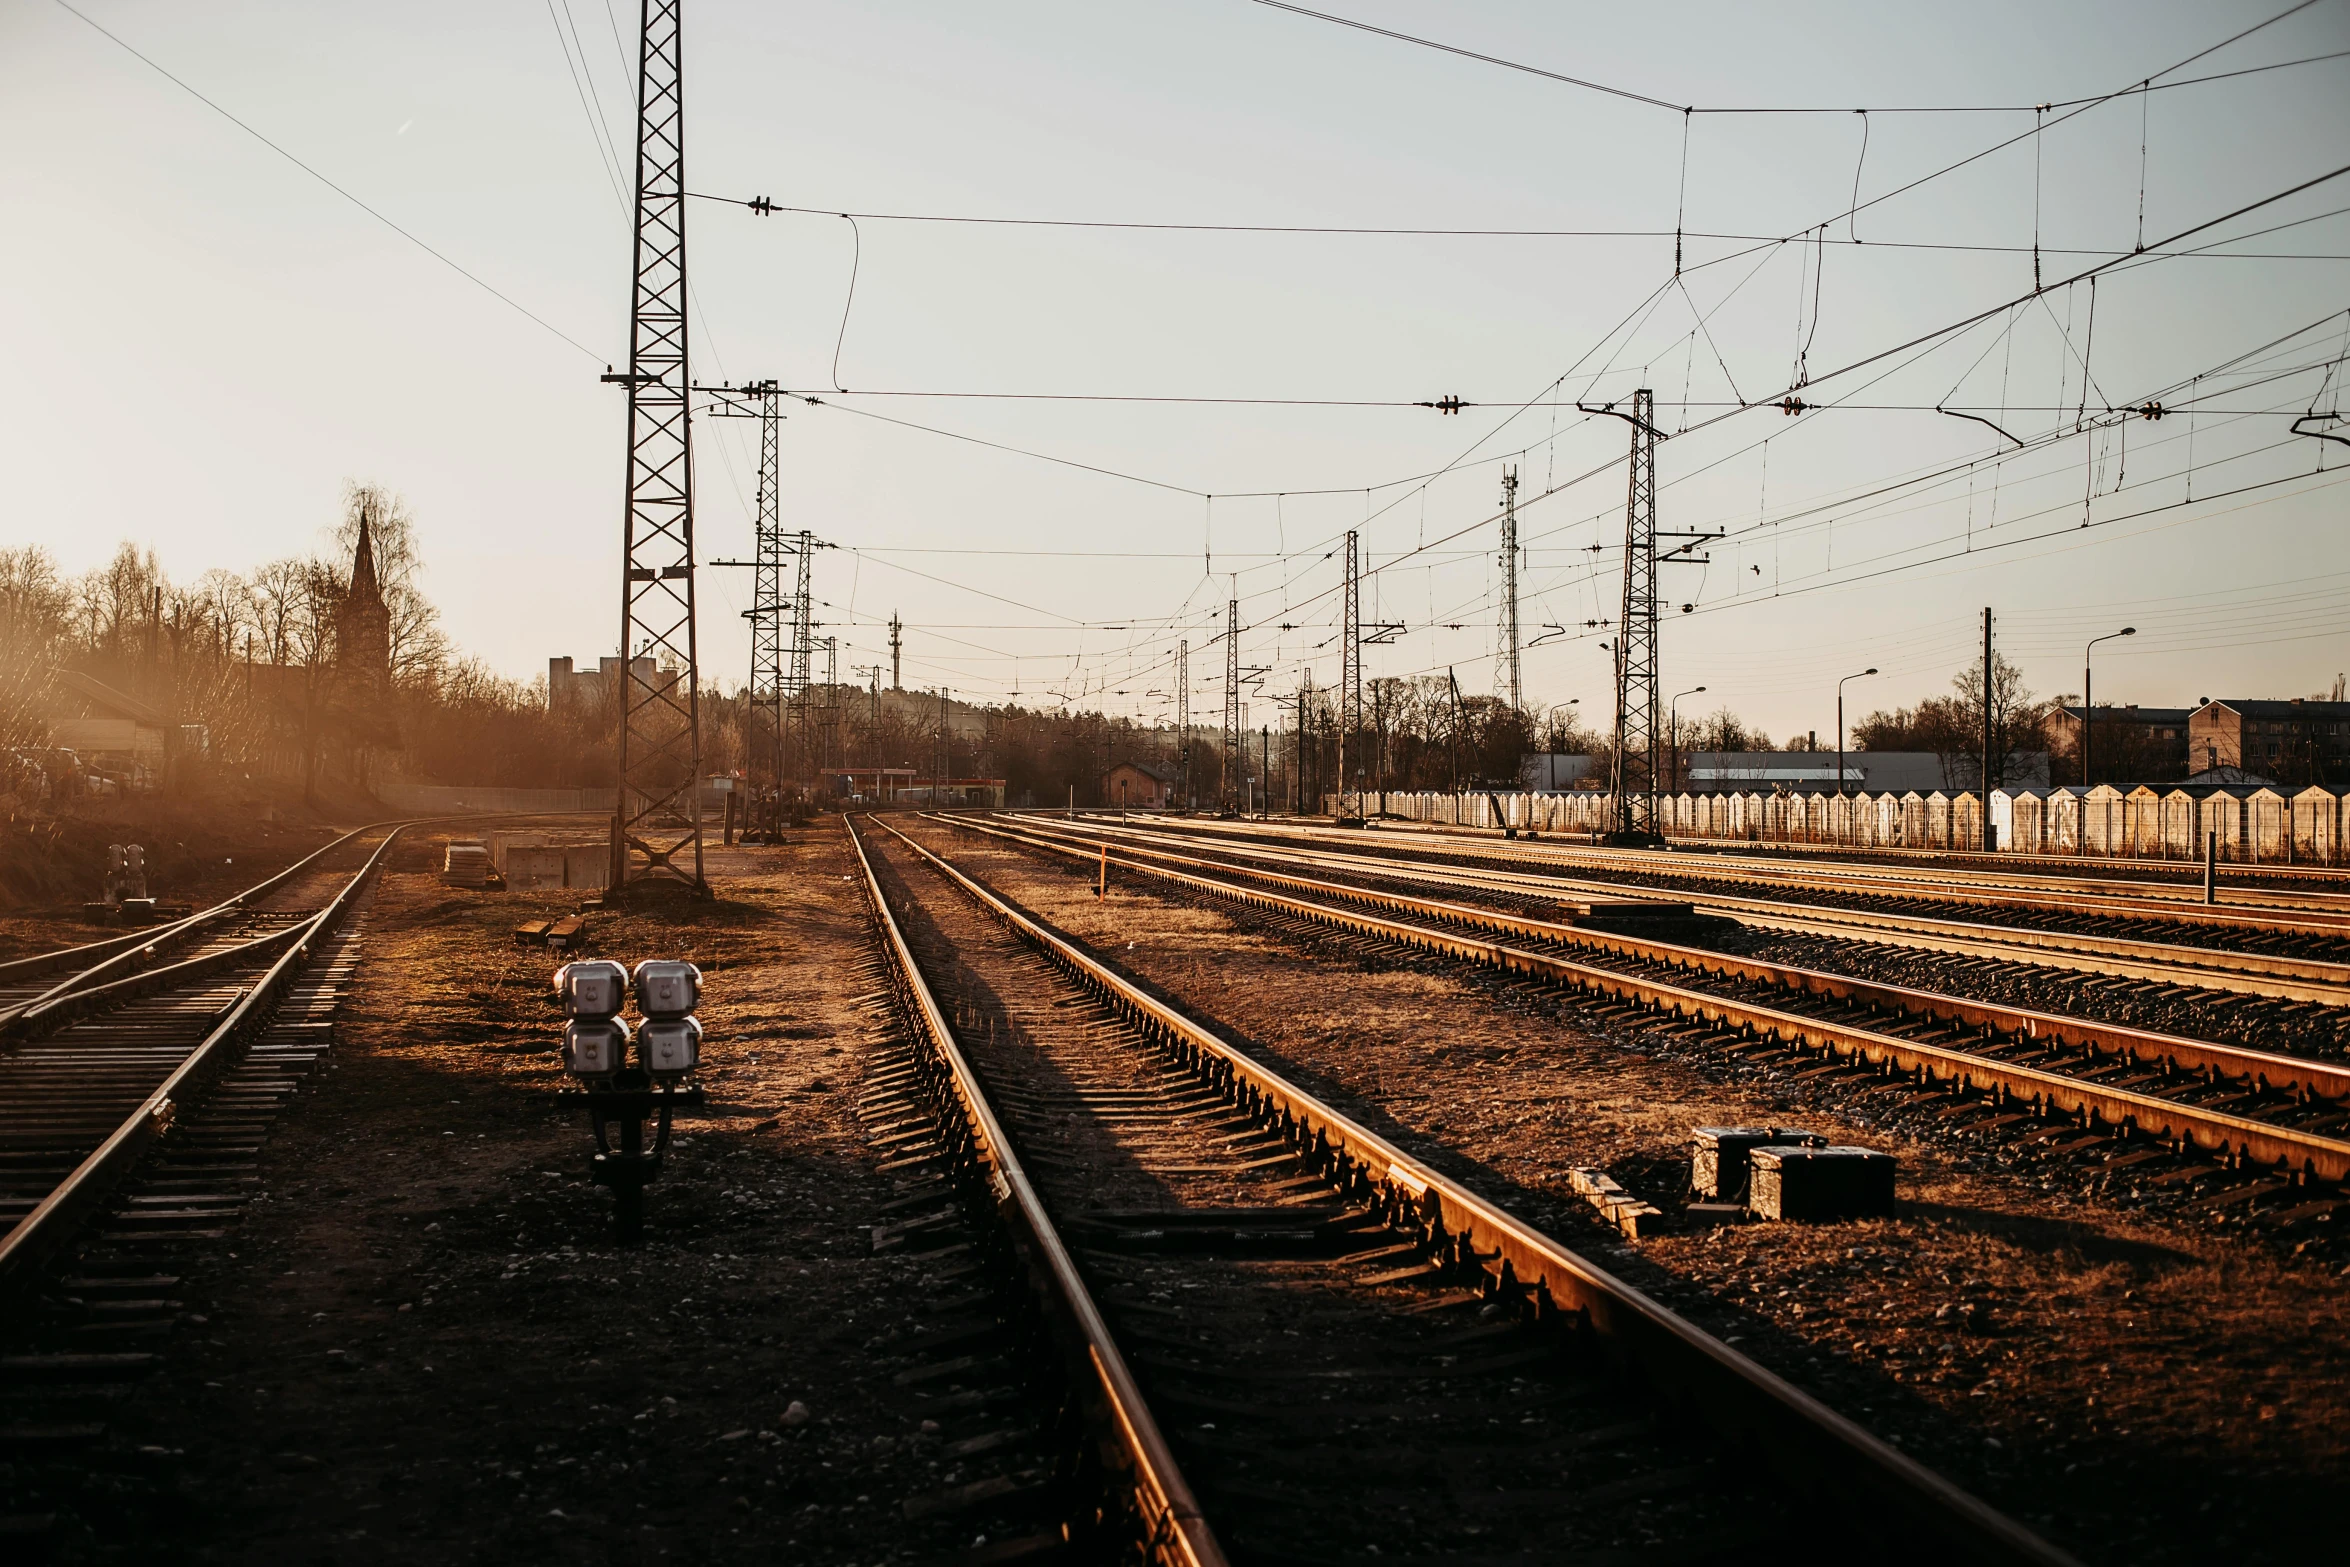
column 2276, row 1117
column 1552, row 1422
column 2313, row 887
column 2320, row 935
column 2159, row 963
column 128, row 1055
column 33, row 996
column 2156, row 870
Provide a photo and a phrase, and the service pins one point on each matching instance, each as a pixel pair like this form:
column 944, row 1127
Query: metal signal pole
column 1509, row 579
column 1350, row 675
column 1235, row 764
column 659, row 813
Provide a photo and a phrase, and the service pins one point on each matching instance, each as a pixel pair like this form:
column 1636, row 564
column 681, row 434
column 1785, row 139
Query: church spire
column 364, row 588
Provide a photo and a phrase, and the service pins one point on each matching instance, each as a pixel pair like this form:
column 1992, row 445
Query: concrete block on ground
column 1820, row 1183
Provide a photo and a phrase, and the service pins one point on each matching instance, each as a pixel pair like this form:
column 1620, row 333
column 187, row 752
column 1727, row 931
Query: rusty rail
column 1174, row 1530
column 2332, row 919
column 2208, row 968
column 2297, row 1153
column 1836, row 1465
column 52, row 1222
column 123, row 954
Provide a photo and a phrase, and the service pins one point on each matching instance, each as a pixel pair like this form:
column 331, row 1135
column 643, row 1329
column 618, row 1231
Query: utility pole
column 1634, row 775
column 1509, row 581
column 795, row 685
column 1350, row 676
column 1990, row 833
column 1298, row 744
column 1235, row 762
column 896, row 646
column 1636, row 638
column 659, row 812
column 832, row 701
column 1183, row 715
column 762, row 400
column 945, row 754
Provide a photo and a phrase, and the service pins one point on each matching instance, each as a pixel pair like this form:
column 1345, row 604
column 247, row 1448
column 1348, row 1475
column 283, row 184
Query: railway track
column 2184, row 875
column 2265, row 1130
column 136, row 1101
column 2310, row 941
column 2250, row 993
column 1288, row 1340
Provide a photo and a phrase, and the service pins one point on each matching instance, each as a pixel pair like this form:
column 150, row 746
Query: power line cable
column 1690, row 109
column 471, row 277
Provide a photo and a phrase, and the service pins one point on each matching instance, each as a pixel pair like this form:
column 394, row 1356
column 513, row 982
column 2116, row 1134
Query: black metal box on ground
column 1718, row 1155
column 1820, row 1183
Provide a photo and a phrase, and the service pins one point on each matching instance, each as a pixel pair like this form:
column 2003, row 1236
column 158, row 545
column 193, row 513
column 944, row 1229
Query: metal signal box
column 595, row 1046
column 595, row 988
column 667, row 987
column 669, row 1046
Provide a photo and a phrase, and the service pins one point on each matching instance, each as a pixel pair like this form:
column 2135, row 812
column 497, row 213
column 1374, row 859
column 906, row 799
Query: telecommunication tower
column 1509, row 579
column 897, row 630
column 659, row 813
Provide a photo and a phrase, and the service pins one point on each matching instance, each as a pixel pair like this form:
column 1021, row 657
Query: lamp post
column 1673, row 723
column 1840, row 726
column 2089, row 706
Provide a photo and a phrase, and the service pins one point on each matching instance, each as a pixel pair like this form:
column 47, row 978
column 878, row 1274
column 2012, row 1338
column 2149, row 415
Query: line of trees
column 249, row 671
column 1952, row 727
column 245, row 668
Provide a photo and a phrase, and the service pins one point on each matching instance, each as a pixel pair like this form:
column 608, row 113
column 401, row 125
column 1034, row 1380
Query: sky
column 392, row 245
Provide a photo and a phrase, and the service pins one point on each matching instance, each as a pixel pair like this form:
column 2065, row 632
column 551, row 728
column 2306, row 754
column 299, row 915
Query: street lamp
column 2089, row 707
column 1673, row 721
column 1840, row 726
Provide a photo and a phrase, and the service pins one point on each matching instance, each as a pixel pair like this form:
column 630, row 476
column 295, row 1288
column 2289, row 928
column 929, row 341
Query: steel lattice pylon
column 795, row 683
column 1509, row 578
column 1350, row 679
column 1634, row 779
column 1233, row 760
column 766, row 611
column 659, row 812
column 1183, row 715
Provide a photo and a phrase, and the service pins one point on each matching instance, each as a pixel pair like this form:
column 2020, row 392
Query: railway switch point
column 1718, row 1156
column 1820, row 1183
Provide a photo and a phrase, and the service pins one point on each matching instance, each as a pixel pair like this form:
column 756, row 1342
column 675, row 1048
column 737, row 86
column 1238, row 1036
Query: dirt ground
column 2140, row 1391
column 423, row 1346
